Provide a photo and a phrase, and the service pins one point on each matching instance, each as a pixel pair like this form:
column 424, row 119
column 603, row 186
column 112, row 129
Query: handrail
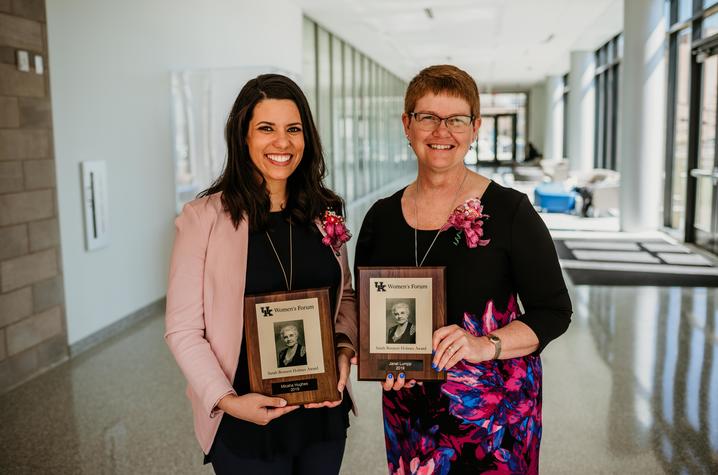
column 697, row 172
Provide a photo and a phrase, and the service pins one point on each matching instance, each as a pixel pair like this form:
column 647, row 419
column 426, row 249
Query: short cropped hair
column 401, row 304
column 442, row 78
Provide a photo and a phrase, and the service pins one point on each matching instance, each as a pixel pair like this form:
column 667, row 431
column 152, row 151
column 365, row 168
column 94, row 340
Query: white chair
column 605, row 187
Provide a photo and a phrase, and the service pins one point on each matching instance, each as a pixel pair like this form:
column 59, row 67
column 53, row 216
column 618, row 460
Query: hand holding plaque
column 400, row 307
column 290, row 346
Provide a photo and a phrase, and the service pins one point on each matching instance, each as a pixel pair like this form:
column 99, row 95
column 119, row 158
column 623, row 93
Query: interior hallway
column 626, row 390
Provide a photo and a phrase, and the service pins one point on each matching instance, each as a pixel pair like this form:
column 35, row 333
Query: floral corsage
column 335, row 231
column 468, row 219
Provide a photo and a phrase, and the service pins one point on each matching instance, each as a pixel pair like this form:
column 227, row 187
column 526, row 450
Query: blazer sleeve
column 538, row 277
column 347, row 323
column 184, row 316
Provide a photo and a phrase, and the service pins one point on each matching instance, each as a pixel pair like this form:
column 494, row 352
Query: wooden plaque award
column 290, row 346
column 399, row 309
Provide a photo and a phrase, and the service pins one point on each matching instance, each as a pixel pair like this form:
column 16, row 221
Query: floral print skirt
column 486, row 418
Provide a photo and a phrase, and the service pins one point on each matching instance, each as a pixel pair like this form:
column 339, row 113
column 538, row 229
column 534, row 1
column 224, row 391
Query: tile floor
column 632, row 387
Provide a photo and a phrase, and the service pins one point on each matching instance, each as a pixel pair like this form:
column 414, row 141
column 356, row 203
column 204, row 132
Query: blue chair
column 554, row 198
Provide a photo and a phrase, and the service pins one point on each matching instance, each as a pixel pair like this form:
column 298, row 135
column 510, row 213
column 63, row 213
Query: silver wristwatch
column 497, row 345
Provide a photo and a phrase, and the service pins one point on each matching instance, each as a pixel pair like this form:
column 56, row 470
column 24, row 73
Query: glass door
column 485, row 146
column 705, row 223
column 497, row 140
column 506, row 137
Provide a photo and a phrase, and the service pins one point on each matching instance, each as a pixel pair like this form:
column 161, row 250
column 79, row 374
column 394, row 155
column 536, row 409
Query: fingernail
column 433, row 365
column 401, row 375
column 390, row 376
column 433, row 351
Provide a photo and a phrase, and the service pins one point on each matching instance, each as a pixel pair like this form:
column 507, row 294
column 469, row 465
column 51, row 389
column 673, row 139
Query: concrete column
column 581, row 110
column 553, row 134
column 642, row 107
column 536, row 116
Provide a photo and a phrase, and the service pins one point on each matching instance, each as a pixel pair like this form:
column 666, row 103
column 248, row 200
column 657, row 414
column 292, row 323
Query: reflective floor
column 631, row 388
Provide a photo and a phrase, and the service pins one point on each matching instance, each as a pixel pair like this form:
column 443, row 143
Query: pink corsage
column 468, row 218
column 336, row 232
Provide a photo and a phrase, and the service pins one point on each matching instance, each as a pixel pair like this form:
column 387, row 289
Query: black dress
column 486, row 416
column 314, row 265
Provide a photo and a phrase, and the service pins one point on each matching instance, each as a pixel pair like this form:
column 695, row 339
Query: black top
column 520, row 258
column 314, row 266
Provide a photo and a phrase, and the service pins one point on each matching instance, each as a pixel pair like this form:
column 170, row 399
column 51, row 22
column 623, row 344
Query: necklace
column 291, row 262
column 416, row 215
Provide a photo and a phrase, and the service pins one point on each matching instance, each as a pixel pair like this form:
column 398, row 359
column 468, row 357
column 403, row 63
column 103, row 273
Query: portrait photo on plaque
column 289, row 341
column 400, row 321
column 293, row 328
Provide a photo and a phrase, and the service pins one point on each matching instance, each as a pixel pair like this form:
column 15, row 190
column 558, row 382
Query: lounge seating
column 554, row 198
column 603, row 186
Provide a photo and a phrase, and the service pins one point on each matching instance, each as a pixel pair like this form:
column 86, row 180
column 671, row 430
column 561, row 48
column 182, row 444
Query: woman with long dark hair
column 267, row 224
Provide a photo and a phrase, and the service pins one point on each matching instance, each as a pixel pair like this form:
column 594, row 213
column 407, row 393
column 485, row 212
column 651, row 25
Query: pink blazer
column 205, row 300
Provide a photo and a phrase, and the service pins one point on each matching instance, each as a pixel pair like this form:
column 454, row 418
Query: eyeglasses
column 431, row 122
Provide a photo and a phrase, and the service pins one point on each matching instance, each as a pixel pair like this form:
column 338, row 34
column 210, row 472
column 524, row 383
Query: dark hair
column 241, row 183
column 442, row 78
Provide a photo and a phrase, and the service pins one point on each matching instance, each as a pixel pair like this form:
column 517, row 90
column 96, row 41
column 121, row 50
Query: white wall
column 110, row 64
column 537, row 116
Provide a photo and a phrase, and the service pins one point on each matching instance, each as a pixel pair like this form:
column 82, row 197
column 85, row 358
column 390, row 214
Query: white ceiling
column 504, row 44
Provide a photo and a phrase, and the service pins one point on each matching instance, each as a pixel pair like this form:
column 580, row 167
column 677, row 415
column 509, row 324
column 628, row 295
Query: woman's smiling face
column 275, row 139
column 440, row 149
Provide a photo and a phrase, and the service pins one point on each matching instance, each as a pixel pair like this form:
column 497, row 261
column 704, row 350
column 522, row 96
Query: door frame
column 700, row 51
column 514, row 136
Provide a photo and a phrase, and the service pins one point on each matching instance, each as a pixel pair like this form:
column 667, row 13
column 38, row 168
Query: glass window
column 309, row 65
column 709, row 26
column 685, row 10
column 503, row 129
column 324, row 98
column 706, row 150
column 606, row 83
column 349, row 123
column 366, row 124
column 357, row 105
column 680, row 134
column 612, row 117
column 338, row 118
column 564, row 142
column 599, row 143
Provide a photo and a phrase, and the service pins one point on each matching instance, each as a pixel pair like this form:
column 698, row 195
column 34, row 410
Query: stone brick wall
column 33, row 333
